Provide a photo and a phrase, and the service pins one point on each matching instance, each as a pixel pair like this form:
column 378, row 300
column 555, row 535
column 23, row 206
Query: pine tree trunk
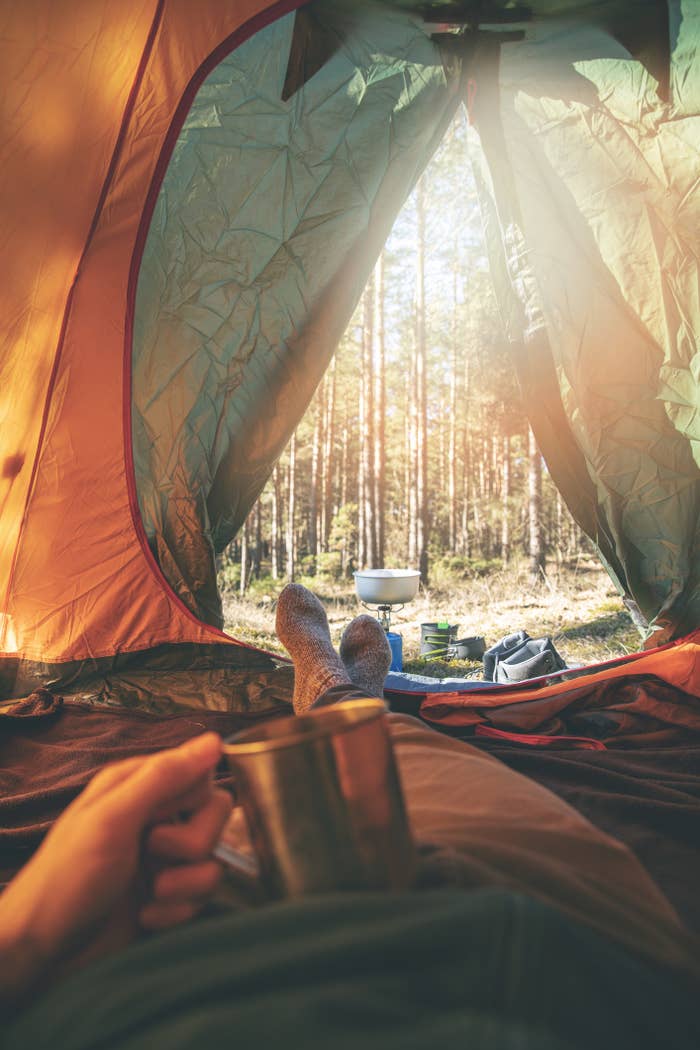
column 275, row 541
column 488, row 489
column 559, row 528
column 257, row 558
column 291, row 509
column 467, row 487
column 344, row 480
column 410, row 462
column 442, row 447
column 465, row 542
column 362, row 435
column 379, row 416
column 535, row 532
column 452, row 440
column 573, row 538
column 422, row 522
column 328, row 459
column 505, row 500
column 314, row 482
column 367, row 544
column 243, row 582
column 478, row 490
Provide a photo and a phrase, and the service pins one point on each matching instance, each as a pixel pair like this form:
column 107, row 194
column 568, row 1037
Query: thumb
column 166, row 776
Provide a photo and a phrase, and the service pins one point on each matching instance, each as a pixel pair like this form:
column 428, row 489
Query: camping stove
column 383, row 613
column 384, row 591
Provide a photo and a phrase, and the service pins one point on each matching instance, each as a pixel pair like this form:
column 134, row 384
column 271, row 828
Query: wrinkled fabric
column 591, row 196
column 269, row 220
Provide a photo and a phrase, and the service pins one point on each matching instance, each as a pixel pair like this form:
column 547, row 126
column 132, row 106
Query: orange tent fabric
column 72, row 549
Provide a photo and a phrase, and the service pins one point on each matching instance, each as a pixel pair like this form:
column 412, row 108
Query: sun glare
column 8, row 638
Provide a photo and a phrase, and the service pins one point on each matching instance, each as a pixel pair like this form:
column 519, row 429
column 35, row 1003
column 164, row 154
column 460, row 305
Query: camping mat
column 649, row 799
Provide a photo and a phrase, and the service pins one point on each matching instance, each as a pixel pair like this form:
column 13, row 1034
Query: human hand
column 115, row 863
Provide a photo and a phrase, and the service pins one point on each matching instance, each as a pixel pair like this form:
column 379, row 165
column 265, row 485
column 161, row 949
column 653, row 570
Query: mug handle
column 240, row 863
column 243, row 871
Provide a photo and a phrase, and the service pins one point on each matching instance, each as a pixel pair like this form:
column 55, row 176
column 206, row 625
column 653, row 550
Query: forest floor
column 577, row 605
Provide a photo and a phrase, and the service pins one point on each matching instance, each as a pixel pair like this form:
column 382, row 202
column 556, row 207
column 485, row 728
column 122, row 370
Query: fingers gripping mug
column 323, row 803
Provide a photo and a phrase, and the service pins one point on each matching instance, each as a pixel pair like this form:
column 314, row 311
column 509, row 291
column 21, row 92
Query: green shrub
column 434, row 668
column 485, row 566
column 329, row 564
column 229, row 576
column 453, row 568
column 264, row 585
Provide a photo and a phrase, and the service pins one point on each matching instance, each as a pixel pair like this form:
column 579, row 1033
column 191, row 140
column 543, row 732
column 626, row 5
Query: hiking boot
column 507, row 645
column 533, row 658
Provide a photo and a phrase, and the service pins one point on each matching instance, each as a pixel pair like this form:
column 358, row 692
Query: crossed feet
column 302, row 627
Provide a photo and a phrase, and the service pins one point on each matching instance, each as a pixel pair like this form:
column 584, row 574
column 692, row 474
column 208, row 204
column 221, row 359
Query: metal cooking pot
column 472, row 648
column 441, row 642
column 387, row 586
column 437, row 637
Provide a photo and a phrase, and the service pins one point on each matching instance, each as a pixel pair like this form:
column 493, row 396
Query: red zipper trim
column 576, row 743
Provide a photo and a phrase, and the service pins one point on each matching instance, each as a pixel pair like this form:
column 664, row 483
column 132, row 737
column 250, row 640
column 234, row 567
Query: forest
column 415, row 450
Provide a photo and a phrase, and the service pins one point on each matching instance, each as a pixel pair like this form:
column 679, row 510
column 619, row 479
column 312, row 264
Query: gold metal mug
column 323, row 803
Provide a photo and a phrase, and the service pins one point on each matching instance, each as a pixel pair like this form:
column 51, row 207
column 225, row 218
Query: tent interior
column 214, row 277
column 194, row 197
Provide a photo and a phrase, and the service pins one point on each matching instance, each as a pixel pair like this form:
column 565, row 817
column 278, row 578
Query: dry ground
column 577, row 605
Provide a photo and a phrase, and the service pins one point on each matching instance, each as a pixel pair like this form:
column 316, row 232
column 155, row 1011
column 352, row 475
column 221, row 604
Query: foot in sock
column 366, row 654
column 302, row 627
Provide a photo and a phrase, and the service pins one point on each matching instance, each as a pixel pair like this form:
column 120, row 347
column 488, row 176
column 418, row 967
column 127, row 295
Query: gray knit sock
column 366, row 654
column 302, row 627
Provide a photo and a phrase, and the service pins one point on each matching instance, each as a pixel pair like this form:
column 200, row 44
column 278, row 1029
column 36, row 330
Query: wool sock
column 302, row 627
column 366, row 654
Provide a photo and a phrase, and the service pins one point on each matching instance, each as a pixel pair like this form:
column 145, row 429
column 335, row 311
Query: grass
column 576, row 605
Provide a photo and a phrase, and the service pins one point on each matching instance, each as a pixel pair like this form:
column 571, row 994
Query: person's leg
column 321, row 677
column 479, row 823
column 366, row 654
column 476, row 821
column 302, row 627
